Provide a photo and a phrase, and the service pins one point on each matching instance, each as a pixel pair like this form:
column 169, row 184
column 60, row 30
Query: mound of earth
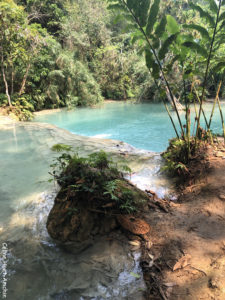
column 187, row 257
column 92, row 201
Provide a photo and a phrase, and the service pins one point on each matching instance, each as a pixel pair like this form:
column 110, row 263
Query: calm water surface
column 39, row 269
column 144, row 126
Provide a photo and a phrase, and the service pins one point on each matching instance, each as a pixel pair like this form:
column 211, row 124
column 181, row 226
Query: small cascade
column 38, row 267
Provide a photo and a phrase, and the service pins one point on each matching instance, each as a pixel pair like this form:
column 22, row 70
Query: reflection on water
column 37, row 267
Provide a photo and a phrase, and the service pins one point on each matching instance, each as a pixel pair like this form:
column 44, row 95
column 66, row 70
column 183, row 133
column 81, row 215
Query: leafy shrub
column 178, row 162
column 94, row 177
column 3, row 100
column 176, row 158
column 23, row 108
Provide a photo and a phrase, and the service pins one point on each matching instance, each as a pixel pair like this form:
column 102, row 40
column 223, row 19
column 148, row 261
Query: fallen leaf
column 135, row 243
column 182, row 262
column 148, row 244
column 169, row 284
column 151, row 256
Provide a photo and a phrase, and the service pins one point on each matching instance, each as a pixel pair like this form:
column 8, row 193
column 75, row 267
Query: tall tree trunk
column 24, row 79
column 12, row 81
column 5, row 81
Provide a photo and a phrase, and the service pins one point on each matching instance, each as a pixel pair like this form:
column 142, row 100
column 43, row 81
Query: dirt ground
column 186, row 258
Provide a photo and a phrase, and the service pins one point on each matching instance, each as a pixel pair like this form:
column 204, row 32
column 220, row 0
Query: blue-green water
column 37, row 268
column 145, row 126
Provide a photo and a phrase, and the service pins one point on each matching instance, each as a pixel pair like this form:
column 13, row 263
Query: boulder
column 84, row 207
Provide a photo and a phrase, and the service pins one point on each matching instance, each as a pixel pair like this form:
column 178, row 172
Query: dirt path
column 187, row 259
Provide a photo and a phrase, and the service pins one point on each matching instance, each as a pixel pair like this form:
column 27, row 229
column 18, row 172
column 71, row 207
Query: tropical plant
column 165, row 43
column 95, row 175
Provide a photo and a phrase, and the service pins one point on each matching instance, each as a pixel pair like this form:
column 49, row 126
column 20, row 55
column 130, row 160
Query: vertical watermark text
column 4, row 260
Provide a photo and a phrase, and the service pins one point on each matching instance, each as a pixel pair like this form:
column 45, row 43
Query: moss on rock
column 93, row 193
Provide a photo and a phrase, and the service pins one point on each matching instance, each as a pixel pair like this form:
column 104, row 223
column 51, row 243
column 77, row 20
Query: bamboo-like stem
column 207, row 125
column 196, row 115
column 199, row 101
column 207, row 69
column 167, row 109
column 214, row 104
column 171, row 119
column 222, row 119
column 159, row 64
column 196, row 112
column 186, row 102
column 187, row 116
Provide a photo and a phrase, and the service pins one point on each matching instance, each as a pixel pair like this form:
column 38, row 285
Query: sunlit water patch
column 145, row 126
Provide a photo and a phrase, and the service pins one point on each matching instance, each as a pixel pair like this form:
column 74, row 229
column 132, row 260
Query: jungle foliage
column 64, row 53
column 72, row 53
column 94, row 177
column 195, row 49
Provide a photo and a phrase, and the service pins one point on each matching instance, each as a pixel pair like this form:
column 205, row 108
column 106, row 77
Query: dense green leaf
column 140, row 10
column 199, row 28
column 149, row 58
column 222, row 26
column 160, row 29
column 117, row 6
column 172, row 25
column 171, row 63
column 151, row 64
column 131, row 3
column 219, row 66
column 213, row 6
column 203, row 14
column 136, row 36
column 156, row 43
column 222, row 16
column 220, row 40
column 152, row 17
column 143, row 11
column 165, row 46
column 185, row 37
column 155, row 71
column 194, row 46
